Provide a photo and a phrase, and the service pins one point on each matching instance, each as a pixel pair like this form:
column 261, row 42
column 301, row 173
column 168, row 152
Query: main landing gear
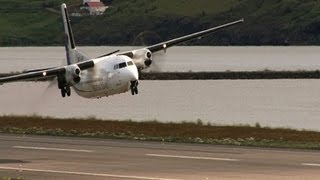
column 134, row 87
column 65, row 91
column 64, row 88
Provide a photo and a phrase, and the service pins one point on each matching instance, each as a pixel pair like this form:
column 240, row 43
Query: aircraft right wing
column 47, row 72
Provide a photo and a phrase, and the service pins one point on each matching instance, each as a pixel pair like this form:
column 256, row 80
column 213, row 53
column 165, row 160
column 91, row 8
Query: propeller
column 158, row 61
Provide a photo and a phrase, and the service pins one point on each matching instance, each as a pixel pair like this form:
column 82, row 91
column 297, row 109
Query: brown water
column 275, row 103
column 178, row 58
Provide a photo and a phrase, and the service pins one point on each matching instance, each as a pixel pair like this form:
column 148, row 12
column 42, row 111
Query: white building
column 94, row 7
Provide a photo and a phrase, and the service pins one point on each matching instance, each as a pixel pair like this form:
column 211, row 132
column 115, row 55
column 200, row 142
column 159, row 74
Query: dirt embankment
column 222, row 75
column 156, row 131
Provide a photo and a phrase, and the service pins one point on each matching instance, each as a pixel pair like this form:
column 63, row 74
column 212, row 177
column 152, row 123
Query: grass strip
column 186, row 132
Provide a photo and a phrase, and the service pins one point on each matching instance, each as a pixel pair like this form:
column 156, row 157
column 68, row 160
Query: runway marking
column 192, row 157
column 52, row 149
column 83, row 173
column 310, row 164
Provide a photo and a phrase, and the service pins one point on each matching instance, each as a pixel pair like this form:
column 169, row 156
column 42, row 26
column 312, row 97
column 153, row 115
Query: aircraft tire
column 68, row 91
column 63, row 92
column 135, row 90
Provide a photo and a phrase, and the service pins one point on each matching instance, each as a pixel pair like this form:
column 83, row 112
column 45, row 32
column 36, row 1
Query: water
column 274, row 103
column 178, row 58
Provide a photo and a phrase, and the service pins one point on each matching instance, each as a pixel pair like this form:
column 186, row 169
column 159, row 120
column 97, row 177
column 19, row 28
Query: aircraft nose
column 133, row 73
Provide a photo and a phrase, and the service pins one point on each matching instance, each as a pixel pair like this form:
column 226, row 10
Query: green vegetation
column 167, row 132
column 10, row 178
column 26, row 23
column 139, row 22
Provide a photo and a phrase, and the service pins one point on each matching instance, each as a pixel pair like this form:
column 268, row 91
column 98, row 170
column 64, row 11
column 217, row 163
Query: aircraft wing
column 42, row 73
column 170, row 43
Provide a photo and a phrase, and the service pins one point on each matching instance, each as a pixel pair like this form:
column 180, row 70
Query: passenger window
column 116, row 66
column 122, row 65
column 130, row 63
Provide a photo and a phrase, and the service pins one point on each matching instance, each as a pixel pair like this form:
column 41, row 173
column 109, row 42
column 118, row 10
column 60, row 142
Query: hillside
column 25, row 23
column 138, row 22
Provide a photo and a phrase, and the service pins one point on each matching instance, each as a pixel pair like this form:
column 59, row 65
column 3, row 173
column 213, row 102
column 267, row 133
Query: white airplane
column 107, row 75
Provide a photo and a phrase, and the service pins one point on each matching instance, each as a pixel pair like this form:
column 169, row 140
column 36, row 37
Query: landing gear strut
column 134, row 87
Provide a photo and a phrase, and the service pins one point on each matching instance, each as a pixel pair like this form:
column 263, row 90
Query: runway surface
column 42, row 157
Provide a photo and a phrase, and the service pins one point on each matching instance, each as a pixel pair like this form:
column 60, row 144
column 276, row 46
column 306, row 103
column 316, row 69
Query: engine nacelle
column 142, row 58
column 72, row 75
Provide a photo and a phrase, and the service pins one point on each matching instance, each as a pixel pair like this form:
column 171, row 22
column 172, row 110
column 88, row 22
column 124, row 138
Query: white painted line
column 310, row 164
column 192, row 157
column 84, row 173
column 52, row 149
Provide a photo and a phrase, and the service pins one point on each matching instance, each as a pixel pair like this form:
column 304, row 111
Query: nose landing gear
column 134, row 87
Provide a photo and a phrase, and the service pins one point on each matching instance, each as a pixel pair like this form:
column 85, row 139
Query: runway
column 43, row 157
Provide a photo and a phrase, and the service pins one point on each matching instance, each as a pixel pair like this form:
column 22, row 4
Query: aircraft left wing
column 47, row 72
column 170, row 43
column 143, row 57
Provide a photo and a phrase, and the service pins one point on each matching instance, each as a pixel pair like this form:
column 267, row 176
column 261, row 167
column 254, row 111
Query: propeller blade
column 158, row 62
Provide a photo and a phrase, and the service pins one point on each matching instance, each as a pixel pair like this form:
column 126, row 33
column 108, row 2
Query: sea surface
column 273, row 103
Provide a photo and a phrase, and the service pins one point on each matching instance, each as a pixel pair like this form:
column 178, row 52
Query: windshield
column 123, row 65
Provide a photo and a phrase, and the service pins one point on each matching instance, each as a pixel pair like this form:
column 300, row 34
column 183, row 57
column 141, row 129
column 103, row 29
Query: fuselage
column 110, row 75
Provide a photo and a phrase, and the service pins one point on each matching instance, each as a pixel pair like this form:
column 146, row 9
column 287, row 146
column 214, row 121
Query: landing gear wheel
column 63, row 93
column 68, row 90
column 134, row 87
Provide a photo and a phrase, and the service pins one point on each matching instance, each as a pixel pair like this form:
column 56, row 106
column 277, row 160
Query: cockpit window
column 122, row 65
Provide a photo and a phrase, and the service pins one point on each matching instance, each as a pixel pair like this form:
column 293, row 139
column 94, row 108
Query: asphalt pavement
column 44, row 157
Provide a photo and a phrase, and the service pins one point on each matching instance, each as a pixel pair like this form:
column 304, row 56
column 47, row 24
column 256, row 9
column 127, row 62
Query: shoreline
column 226, row 75
column 231, row 75
column 185, row 132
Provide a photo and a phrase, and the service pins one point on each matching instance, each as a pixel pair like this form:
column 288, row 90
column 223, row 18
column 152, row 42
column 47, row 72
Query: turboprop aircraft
column 109, row 74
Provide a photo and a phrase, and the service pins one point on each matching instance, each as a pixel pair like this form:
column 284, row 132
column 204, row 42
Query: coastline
column 223, row 75
column 185, row 132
